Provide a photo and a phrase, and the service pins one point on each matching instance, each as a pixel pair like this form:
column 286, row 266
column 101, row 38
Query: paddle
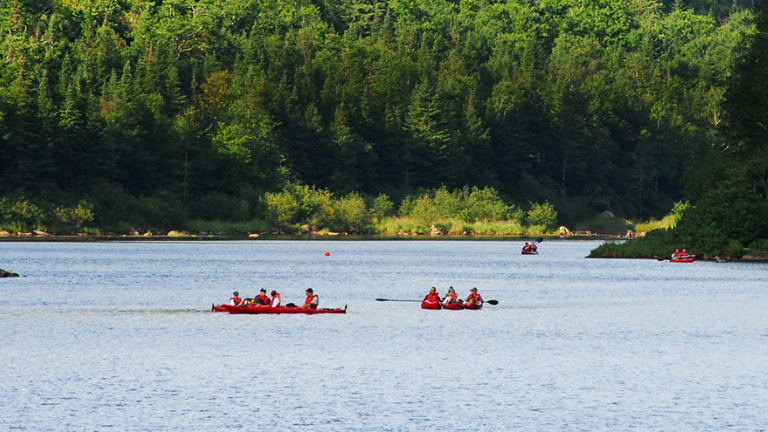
column 490, row 302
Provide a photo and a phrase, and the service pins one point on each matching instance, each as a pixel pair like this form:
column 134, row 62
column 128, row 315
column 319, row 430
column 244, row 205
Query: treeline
column 155, row 113
column 301, row 209
column 728, row 190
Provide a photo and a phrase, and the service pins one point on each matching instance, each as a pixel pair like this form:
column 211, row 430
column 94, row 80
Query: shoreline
column 297, row 237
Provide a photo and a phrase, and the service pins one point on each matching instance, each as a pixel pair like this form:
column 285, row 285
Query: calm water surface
column 119, row 336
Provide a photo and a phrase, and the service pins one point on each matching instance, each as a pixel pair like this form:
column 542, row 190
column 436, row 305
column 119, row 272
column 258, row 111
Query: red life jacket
column 236, row 300
column 308, row 301
column 433, row 297
column 264, row 299
column 473, row 298
column 275, row 301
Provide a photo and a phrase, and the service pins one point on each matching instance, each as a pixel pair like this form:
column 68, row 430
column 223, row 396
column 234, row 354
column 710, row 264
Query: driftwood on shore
column 5, row 274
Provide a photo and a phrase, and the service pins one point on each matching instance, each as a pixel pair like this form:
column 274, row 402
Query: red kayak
column 474, row 306
column 682, row 260
column 274, row 310
column 430, row 305
column 529, row 252
column 453, row 306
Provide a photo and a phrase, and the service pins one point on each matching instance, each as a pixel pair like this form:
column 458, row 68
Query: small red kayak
column 529, row 253
column 275, row 310
column 430, row 305
column 681, row 260
column 474, row 306
column 453, row 306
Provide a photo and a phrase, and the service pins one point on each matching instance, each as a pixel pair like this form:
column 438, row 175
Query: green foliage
column 669, row 221
column 532, row 101
column 352, row 213
column 542, row 214
column 282, row 208
column 731, row 212
column 382, row 207
column 78, row 216
column 20, row 215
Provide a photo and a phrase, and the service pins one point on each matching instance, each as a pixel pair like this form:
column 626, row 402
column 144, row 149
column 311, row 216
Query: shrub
column 424, row 209
column 382, row 207
column 352, row 213
column 75, row 217
column 20, row 215
column 282, row 208
column 542, row 214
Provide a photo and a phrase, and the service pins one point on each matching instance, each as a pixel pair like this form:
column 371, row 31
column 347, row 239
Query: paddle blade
column 493, row 302
column 381, row 299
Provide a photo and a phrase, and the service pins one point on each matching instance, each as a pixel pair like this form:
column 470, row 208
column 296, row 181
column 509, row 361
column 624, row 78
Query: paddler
column 235, row 299
column 676, row 255
column 261, row 299
column 474, row 301
column 433, row 296
column 275, row 302
column 312, row 300
column 451, row 297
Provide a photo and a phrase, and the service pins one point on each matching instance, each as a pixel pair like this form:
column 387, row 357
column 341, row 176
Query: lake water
column 120, row 336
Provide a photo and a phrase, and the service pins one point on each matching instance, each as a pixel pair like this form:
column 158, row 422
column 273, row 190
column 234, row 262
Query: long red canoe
column 274, row 310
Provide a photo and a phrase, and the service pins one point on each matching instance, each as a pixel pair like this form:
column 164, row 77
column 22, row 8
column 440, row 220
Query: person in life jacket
column 235, row 299
column 684, row 254
column 312, row 300
column 451, row 297
column 533, row 247
column 275, row 302
column 433, row 296
column 527, row 247
column 676, row 255
column 262, row 299
column 474, row 301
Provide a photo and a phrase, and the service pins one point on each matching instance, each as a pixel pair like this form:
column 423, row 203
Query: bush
column 75, row 217
column 382, row 207
column 424, row 209
column 542, row 214
column 20, row 215
column 282, row 208
column 352, row 213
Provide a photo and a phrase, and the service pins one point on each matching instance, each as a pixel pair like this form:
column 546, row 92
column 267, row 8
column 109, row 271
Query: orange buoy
column 327, row 253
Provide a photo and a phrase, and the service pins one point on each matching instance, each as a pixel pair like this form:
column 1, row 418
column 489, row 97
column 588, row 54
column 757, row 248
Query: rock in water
column 5, row 274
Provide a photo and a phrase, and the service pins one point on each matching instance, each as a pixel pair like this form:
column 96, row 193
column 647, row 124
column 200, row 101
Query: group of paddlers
column 530, row 248
column 474, row 300
column 680, row 255
column 262, row 299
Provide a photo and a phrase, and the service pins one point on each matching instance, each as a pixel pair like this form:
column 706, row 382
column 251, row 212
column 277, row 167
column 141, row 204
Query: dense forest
column 154, row 113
